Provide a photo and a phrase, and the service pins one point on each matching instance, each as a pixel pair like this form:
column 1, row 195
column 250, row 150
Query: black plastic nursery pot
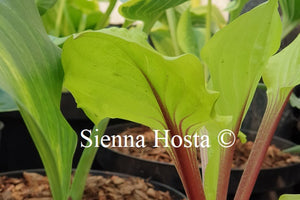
column 16, row 146
column 269, row 180
column 175, row 194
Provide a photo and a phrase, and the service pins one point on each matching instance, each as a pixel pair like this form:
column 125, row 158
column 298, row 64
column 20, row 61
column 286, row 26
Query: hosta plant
column 124, row 77
column 115, row 73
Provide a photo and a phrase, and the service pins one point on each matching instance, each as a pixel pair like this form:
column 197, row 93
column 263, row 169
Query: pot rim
column 1, row 125
column 102, row 173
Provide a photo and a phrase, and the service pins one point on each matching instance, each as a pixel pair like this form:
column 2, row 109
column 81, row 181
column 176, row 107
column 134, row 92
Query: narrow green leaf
column 282, row 73
column 6, row 102
column 44, row 5
column 147, row 11
column 86, row 161
column 290, row 197
column 31, row 73
column 124, row 78
column 294, row 149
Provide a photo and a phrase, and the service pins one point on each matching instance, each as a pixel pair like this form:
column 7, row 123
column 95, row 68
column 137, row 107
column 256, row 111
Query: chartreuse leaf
column 190, row 39
column 236, row 57
column 124, row 77
column 147, row 11
column 290, row 197
column 161, row 38
column 6, row 102
column 282, row 73
column 31, row 73
column 44, row 5
column 290, row 15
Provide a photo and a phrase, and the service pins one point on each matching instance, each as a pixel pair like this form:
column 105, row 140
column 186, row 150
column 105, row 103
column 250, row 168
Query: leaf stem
column 208, row 21
column 58, row 21
column 226, row 162
column 275, row 107
column 101, row 23
column 82, row 23
column 173, row 26
column 69, row 21
column 85, row 163
column 184, row 158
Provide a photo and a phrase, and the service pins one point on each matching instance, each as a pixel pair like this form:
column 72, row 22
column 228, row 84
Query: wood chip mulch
column 34, row 186
column 274, row 158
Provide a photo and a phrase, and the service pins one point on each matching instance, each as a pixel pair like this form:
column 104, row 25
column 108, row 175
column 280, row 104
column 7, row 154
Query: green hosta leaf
column 235, row 8
column 237, row 55
column 290, row 197
column 6, row 102
column 190, row 39
column 146, row 81
column 31, row 73
column 147, row 11
column 44, row 5
column 282, row 73
column 290, row 14
column 123, row 78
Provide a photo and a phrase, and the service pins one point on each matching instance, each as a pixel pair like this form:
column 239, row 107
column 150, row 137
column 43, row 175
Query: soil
column 34, row 186
column 274, row 157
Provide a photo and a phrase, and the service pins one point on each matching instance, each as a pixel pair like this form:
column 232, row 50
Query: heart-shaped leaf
column 123, row 77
